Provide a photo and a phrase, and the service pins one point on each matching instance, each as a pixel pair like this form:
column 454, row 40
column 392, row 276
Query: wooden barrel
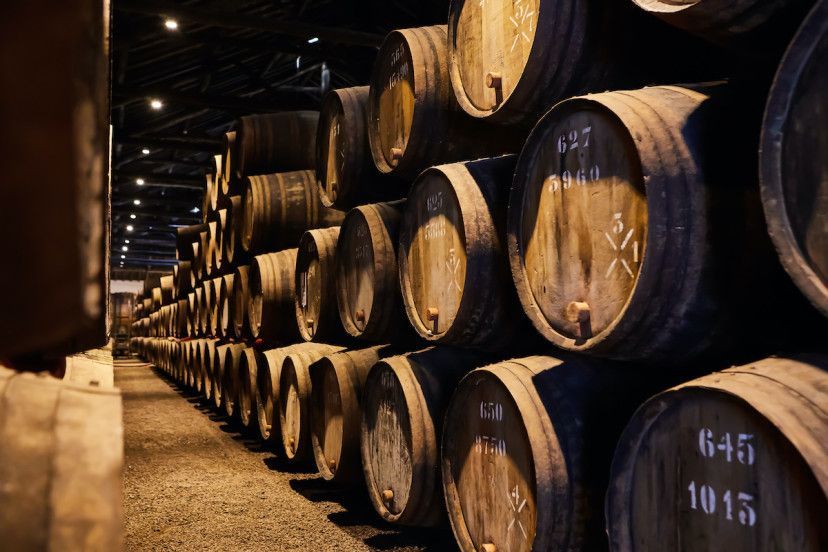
column 216, row 187
column 217, row 241
column 404, row 400
column 336, row 383
column 414, row 121
column 230, row 182
column 230, row 378
column 345, row 170
column 317, row 316
column 754, row 24
column 185, row 237
column 510, row 60
column 197, row 376
column 60, row 464
column 293, row 402
column 279, row 208
column 367, row 284
column 157, row 298
column 218, row 359
column 270, row 310
column 267, row 390
column 215, row 306
column 241, row 326
column 454, row 273
column 661, row 216
column 275, row 142
column 183, row 282
column 206, row 307
column 794, row 190
column 225, row 327
column 182, row 315
column 209, row 268
column 195, row 311
column 737, row 457
column 233, row 252
column 200, row 250
column 526, row 450
column 208, row 192
column 148, row 305
column 208, row 354
column 249, row 363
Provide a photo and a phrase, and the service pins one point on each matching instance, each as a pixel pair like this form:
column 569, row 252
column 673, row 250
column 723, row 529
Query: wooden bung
column 735, row 458
column 404, row 402
column 454, row 273
column 317, row 317
column 633, row 226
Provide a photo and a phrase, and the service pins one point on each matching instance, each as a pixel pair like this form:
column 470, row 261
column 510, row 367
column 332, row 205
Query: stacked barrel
column 501, row 286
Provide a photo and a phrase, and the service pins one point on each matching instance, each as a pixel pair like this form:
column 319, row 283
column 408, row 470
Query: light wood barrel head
column 490, row 45
column 355, row 271
column 434, row 272
column 395, row 115
column 327, row 420
column 583, row 222
column 334, row 151
column 488, row 455
column 308, row 279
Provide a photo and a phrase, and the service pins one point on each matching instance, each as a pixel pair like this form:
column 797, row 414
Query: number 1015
column 704, row 497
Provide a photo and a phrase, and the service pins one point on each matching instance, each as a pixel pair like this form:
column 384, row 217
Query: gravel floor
column 193, row 482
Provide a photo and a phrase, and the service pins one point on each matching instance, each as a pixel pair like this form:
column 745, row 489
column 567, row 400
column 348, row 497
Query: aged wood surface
column 317, row 317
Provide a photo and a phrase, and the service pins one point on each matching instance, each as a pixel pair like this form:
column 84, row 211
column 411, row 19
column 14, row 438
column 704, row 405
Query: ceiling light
column 139, row 181
column 132, row 216
column 130, row 228
column 125, row 248
column 171, row 24
column 156, row 104
column 313, row 40
column 123, row 256
column 145, row 151
column 126, row 241
column 137, row 202
column 195, row 210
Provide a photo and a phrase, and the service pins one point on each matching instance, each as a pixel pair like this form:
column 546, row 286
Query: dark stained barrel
column 267, row 389
column 317, row 317
column 336, row 383
column 270, row 303
column 293, row 403
column 634, row 226
column 794, row 186
column 208, row 354
column 404, row 401
column 754, row 24
column 183, row 282
column 196, row 309
column 279, row 208
column 167, row 286
column 186, row 235
column 345, row 170
column 233, row 252
column 205, row 307
column 736, row 459
column 238, row 314
column 215, row 306
column 225, row 327
column 367, row 285
column 454, row 273
column 230, row 378
column 511, row 60
column 414, row 121
column 526, row 451
column 275, row 142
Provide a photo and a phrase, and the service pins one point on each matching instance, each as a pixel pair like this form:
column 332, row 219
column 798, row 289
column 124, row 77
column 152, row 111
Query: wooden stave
column 624, row 339
column 787, row 392
column 184, row 280
column 777, row 111
column 318, row 245
column 207, row 357
column 359, row 181
column 217, row 239
column 241, row 327
column 487, row 316
column 214, row 306
column 246, row 406
column 230, row 180
column 440, row 132
column 288, row 138
column 279, row 208
column 435, row 372
column 295, row 374
column 386, row 321
column 270, row 298
column 204, row 311
column 350, row 369
column 62, row 481
column 219, row 399
column 185, row 236
column 225, row 328
column 229, row 384
column 233, row 252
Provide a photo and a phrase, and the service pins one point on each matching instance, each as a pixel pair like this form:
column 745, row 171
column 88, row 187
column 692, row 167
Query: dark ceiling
column 224, row 59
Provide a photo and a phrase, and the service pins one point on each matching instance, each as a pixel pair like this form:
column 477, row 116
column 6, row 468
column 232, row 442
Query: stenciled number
column 705, row 497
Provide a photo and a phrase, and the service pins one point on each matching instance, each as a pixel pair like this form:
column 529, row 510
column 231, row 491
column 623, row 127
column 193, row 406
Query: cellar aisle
column 192, row 482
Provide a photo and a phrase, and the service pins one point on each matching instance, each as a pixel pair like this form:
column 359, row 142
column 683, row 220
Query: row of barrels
column 542, row 452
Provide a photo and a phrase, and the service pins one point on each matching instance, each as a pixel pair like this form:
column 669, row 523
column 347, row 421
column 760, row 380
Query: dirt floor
column 193, row 482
